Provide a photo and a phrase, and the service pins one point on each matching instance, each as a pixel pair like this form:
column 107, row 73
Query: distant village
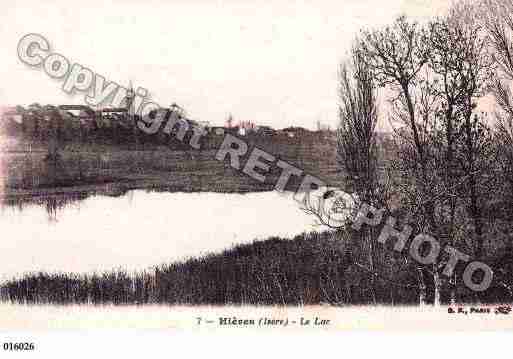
column 59, row 125
column 36, row 118
column 73, row 122
column 82, row 124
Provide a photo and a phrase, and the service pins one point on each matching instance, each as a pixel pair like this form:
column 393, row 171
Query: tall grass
column 309, row 269
column 312, row 268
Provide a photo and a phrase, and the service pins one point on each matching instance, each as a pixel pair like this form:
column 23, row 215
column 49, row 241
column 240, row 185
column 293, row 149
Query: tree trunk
column 371, row 264
column 422, row 287
column 437, row 286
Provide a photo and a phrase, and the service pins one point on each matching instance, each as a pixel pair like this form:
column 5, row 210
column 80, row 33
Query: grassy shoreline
column 310, row 269
column 114, row 170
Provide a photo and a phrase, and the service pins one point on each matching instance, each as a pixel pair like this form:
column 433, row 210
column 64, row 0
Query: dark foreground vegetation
column 307, row 270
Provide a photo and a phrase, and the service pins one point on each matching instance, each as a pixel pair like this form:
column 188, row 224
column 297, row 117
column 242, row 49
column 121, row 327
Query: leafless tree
column 499, row 25
column 462, row 66
column 356, row 144
column 396, row 55
column 436, row 73
column 358, row 114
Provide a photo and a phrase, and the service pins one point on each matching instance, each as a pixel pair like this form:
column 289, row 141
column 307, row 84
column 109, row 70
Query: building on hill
column 295, row 131
column 265, row 131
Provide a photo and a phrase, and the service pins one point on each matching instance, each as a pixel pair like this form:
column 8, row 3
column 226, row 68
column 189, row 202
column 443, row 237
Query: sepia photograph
column 284, row 167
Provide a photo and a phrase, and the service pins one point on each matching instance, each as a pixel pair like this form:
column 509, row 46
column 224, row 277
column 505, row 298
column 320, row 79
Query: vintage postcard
column 293, row 166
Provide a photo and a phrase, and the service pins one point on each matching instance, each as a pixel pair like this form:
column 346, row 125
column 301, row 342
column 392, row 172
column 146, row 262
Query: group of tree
column 446, row 86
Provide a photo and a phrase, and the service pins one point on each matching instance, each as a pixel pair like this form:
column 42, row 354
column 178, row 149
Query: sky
column 270, row 62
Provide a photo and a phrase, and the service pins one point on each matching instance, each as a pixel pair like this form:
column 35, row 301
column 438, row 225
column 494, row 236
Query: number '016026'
column 18, row 346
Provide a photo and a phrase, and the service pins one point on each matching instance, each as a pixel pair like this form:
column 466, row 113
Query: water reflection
column 53, row 204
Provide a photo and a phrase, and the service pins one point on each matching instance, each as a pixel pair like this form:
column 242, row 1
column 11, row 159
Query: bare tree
column 356, row 144
column 436, row 74
column 358, row 114
column 499, row 25
column 396, row 55
column 461, row 68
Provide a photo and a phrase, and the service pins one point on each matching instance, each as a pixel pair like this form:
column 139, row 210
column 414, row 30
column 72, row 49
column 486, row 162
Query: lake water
column 140, row 230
